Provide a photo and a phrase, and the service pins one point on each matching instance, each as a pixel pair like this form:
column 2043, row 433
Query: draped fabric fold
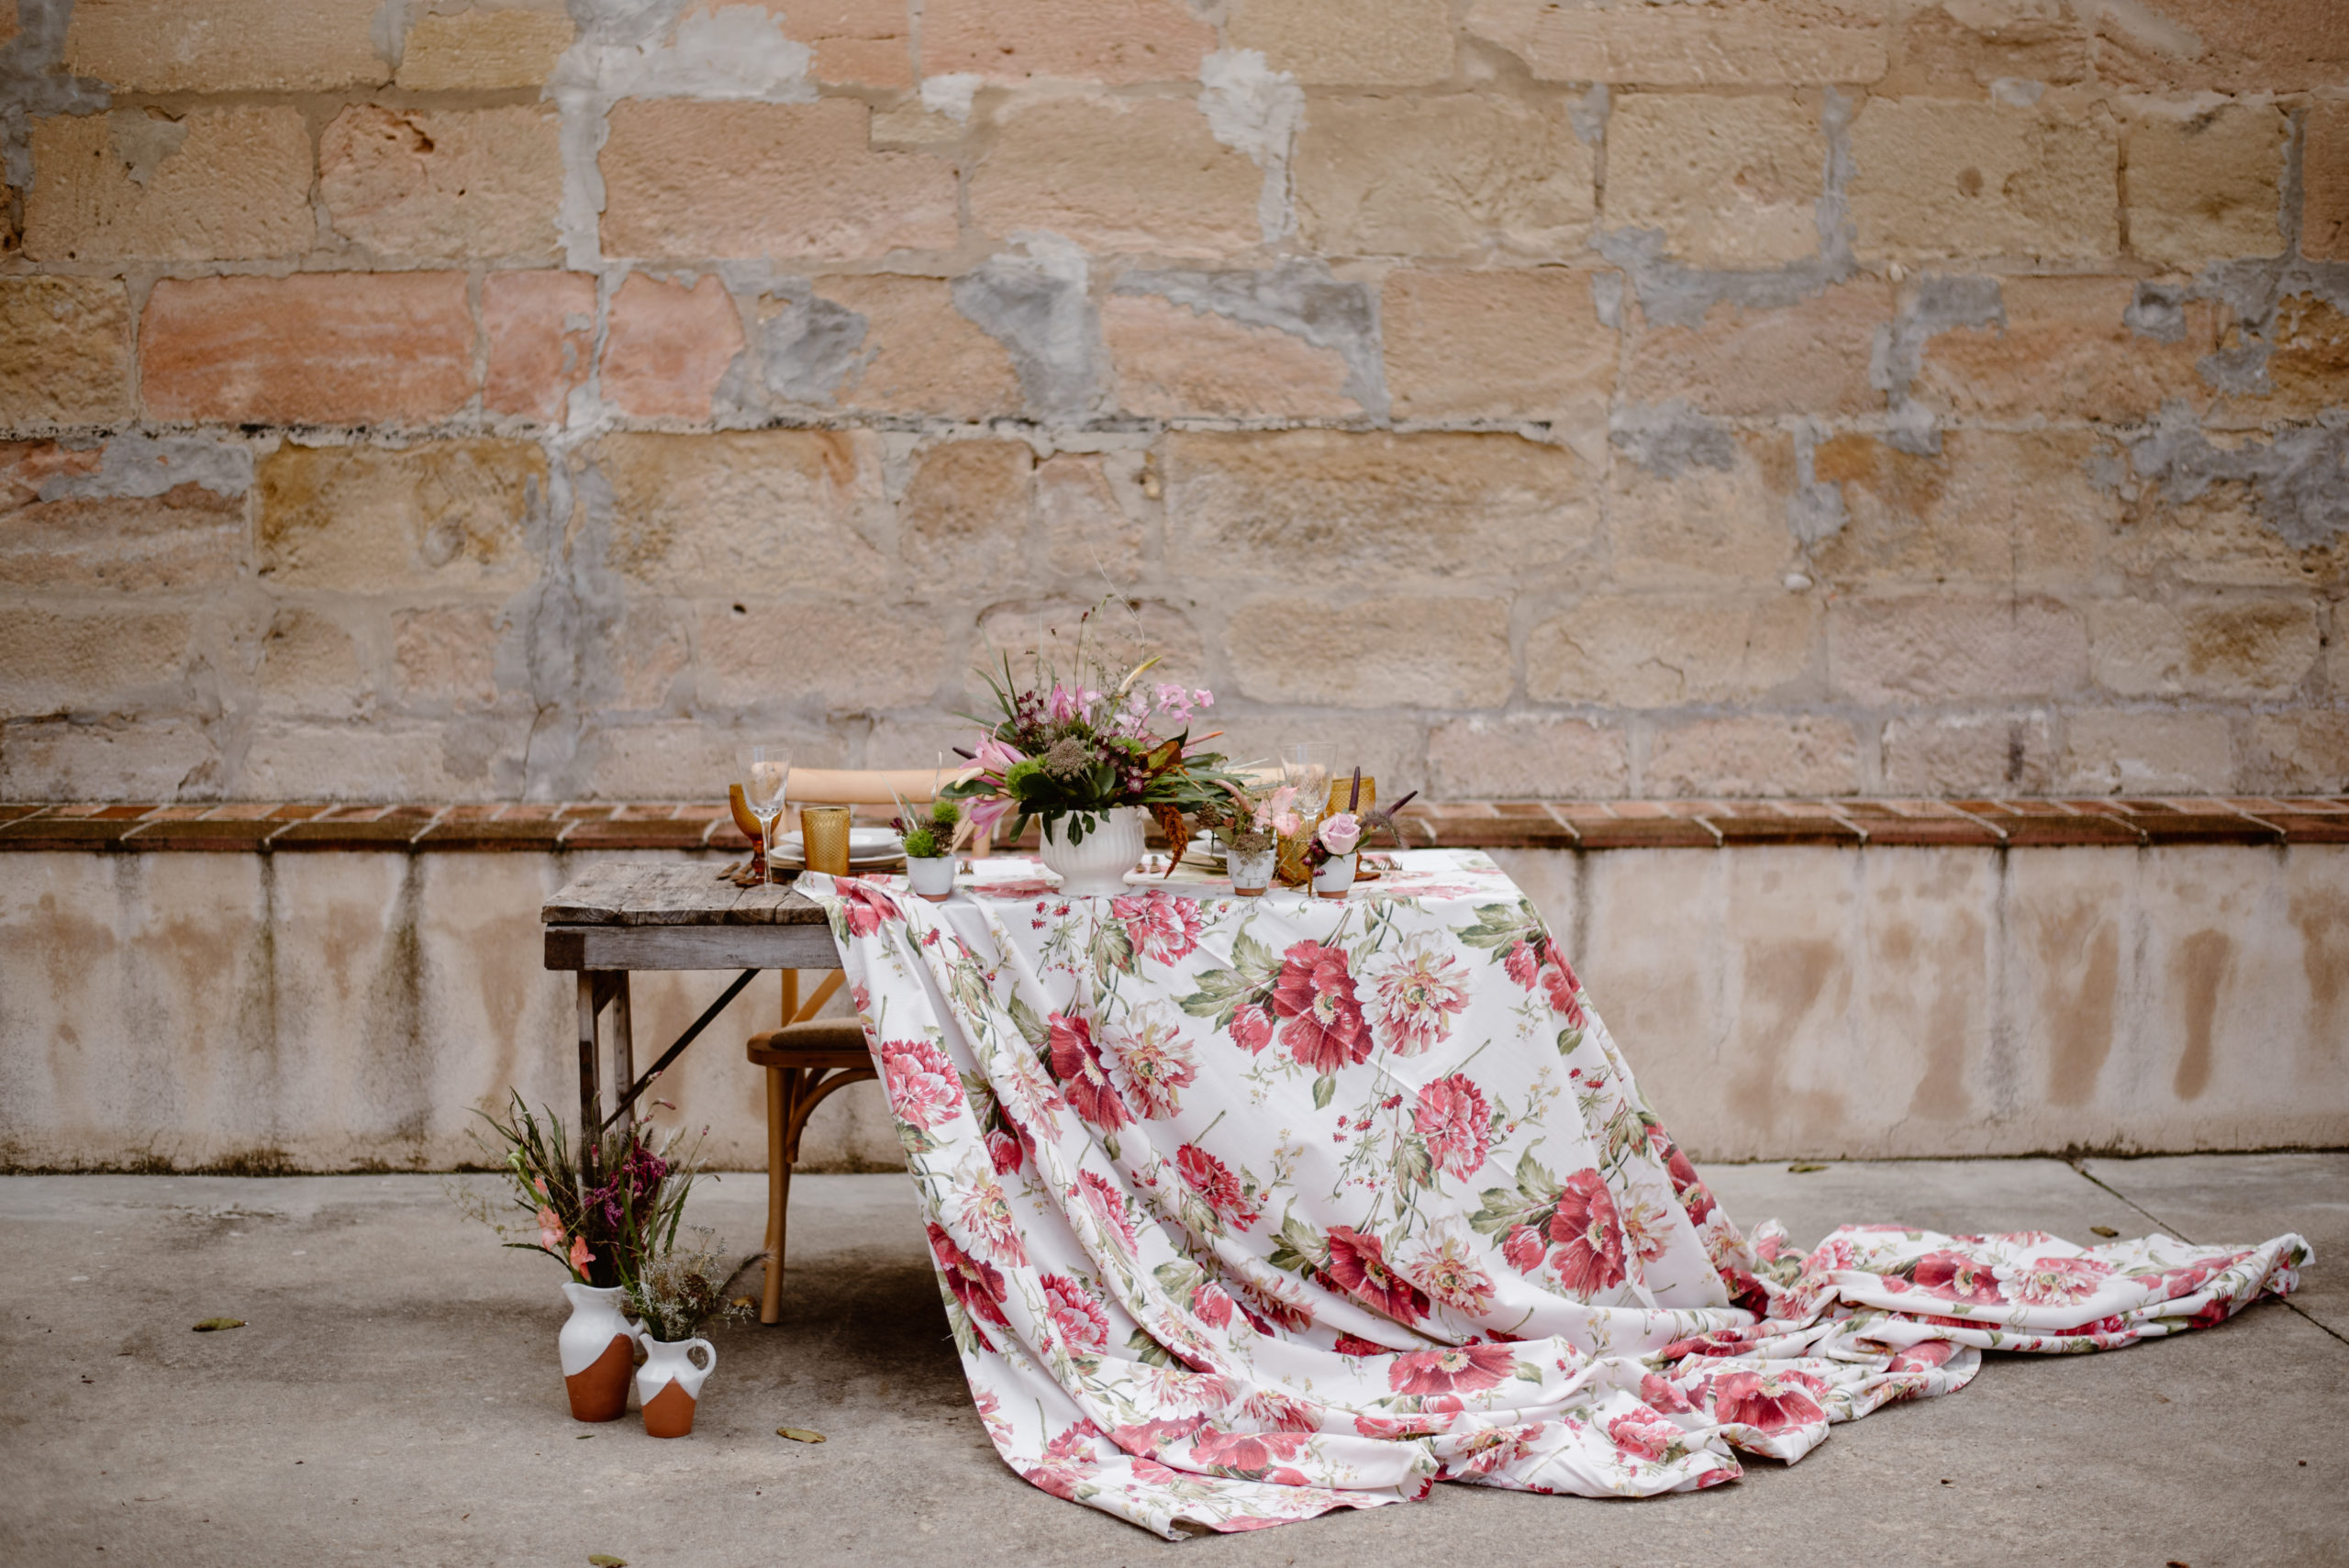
column 1249, row 1209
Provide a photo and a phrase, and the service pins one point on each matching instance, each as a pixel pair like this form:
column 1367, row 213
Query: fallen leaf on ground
column 2104, row 1231
column 744, row 1302
column 1804, row 1169
column 605, row 1559
column 800, row 1434
column 213, row 1324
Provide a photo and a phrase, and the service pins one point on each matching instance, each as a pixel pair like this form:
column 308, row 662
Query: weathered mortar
column 1862, row 314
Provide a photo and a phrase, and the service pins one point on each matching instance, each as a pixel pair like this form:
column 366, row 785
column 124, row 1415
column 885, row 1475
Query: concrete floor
column 393, row 1400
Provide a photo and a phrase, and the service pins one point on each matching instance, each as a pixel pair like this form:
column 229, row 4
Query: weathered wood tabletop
column 622, row 915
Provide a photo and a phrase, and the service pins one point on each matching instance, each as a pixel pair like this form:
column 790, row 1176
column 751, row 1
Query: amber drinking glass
column 823, row 837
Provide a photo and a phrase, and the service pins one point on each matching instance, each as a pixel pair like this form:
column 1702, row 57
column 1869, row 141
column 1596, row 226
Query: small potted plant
column 930, row 860
column 1251, row 827
column 679, row 1292
column 1339, row 837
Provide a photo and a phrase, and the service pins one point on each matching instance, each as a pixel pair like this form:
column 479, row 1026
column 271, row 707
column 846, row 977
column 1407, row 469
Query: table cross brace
column 708, row 1017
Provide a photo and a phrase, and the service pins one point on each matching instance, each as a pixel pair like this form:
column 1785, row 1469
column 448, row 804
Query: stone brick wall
column 434, row 400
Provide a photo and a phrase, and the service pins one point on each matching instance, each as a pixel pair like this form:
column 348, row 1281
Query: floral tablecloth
column 1248, row 1209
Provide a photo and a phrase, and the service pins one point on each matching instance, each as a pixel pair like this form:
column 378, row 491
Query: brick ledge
column 259, row 826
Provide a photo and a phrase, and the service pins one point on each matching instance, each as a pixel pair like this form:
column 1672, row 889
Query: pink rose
column 1340, row 834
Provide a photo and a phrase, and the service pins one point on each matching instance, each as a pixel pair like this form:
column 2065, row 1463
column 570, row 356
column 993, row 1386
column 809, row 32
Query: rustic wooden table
column 618, row 916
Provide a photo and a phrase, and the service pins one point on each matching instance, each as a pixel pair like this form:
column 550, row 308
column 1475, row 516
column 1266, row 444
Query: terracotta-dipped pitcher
column 668, row 1383
column 598, row 1348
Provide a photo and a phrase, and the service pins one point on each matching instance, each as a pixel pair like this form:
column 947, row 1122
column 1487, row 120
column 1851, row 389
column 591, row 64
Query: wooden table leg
column 590, row 1099
column 624, row 1047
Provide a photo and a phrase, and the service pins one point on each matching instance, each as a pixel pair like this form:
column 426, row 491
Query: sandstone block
column 188, row 539
column 67, row 344
column 58, row 662
column 446, row 658
column 484, row 49
column 1497, row 345
column 447, row 515
column 1171, row 360
column 1954, row 646
column 142, row 758
column 2114, row 752
column 1527, row 757
column 1754, row 754
column 698, row 180
column 1373, row 509
column 2206, row 184
column 919, row 354
column 2213, row 647
column 1395, row 653
column 1937, row 179
column 1661, row 649
column 655, row 649
column 308, row 666
column 1969, row 755
column 1440, row 176
column 315, row 348
column 1728, row 182
column 867, row 42
column 821, row 656
column 1807, row 358
column 963, row 522
column 706, row 514
column 444, row 183
column 1145, row 175
column 2324, row 182
column 1946, row 45
column 669, row 346
column 1083, row 531
column 2229, row 46
column 1991, row 507
column 2308, row 364
column 295, row 758
column 541, row 330
column 1743, row 43
column 1116, row 42
column 1122, row 634
column 215, row 184
column 1360, row 43
column 2067, row 349
column 223, row 46
column 1702, row 523
column 2306, row 751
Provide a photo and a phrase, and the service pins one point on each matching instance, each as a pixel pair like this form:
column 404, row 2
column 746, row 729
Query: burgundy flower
column 1644, row 1433
column 1523, row 961
column 1661, row 1394
column 1155, row 1437
column 1455, row 1368
column 924, row 1088
column 1162, row 928
column 1455, row 1119
column 1251, row 1028
column 1358, row 1267
column 977, row 1286
column 1316, row 994
column 2059, row 1282
column 1076, row 1062
column 1248, row 1453
column 863, row 905
column 1558, row 980
column 1696, row 1198
column 1590, row 1256
column 1003, row 1150
column 1216, row 1186
column 1925, row 1355
column 1355, row 1345
column 1768, row 1402
column 1211, row 1306
column 1954, row 1276
column 1392, row 1428
column 1524, row 1247
column 1076, row 1314
column 1109, row 1205
column 1068, row 1460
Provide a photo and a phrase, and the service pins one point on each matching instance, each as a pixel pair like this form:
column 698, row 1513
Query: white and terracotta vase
column 668, row 1386
column 1099, row 865
column 598, row 1348
column 932, row 876
column 1250, row 874
column 1334, row 877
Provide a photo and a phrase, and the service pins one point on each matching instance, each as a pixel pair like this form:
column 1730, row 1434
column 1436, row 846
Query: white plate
column 865, row 844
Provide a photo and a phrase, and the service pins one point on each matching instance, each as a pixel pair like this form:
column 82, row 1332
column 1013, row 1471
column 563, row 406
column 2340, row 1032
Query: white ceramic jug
column 598, row 1348
column 668, row 1383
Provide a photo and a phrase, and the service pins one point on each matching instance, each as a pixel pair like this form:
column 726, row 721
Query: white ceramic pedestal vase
column 932, row 876
column 598, row 1348
column 1334, row 877
column 668, row 1385
column 1250, row 874
column 1099, row 865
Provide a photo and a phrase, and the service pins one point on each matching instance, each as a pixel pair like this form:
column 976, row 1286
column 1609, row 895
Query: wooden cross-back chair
column 809, row 1060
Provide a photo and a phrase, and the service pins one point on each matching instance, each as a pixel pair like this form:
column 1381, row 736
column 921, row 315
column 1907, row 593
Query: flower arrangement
column 929, row 834
column 1341, row 832
column 1254, row 818
column 682, row 1290
column 603, row 1231
column 1065, row 752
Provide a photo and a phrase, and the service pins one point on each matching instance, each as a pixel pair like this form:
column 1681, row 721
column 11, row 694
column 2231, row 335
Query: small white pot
column 669, row 1385
column 1333, row 876
column 932, row 876
column 1250, row 874
column 1097, row 867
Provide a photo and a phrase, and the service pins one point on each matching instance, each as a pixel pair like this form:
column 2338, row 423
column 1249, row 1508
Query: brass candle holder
column 823, row 837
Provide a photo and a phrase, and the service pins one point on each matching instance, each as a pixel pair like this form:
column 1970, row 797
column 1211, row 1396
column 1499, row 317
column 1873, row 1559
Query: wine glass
column 1306, row 764
column 766, row 772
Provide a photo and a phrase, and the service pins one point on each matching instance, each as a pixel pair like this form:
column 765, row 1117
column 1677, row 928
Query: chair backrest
column 865, row 786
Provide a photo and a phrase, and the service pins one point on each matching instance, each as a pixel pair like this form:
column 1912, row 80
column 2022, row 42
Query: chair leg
column 780, row 1086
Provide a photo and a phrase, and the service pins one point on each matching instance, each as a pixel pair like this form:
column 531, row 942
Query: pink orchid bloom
column 983, row 814
column 1202, row 698
column 1062, row 704
column 996, row 757
column 1341, row 833
column 580, row 1256
column 1274, row 809
column 550, row 1231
